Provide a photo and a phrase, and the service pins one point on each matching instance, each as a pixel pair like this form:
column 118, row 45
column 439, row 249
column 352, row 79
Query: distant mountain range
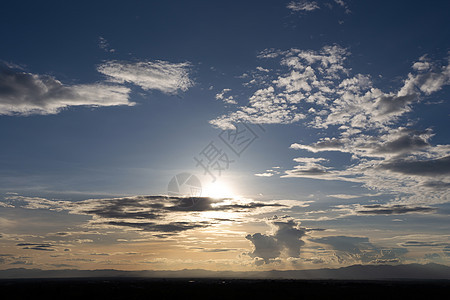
column 355, row 272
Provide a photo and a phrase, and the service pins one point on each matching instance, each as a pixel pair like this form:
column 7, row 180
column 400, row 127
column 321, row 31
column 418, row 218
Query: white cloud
column 24, row 93
column 317, row 88
column 226, row 99
column 303, row 5
column 159, row 75
column 261, row 69
column 266, row 174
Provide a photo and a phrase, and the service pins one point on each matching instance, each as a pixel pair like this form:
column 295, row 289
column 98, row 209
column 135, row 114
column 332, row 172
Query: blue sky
column 102, row 104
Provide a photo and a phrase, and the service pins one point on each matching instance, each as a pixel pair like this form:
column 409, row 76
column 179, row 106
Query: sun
column 218, row 190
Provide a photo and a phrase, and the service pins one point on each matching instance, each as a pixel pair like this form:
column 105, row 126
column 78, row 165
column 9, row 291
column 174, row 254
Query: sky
column 224, row 135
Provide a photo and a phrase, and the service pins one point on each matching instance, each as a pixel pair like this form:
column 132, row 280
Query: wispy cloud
column 350, row 250
column 158, row 214
column 104, row 45
column 303, row 5
column 158, row 75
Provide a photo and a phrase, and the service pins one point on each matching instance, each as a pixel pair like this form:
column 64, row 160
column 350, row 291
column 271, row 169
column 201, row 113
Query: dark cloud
column 163, row 236
column 154, row 207
column 146, row 213
column 437, row 184
column 424, row 244
column 191, row 203
column 249, row 206
column 265, row 247
column 432, row 167
column 348, row 244
column 63, row 266
column 446, row 250
column 286, row 239
column 205, row 204
column 377, row 209
column 33, row 246
column 169, row 227
column 215, row 250
column 394, row 104
column 24, row 93
column 141, row 207
column 407, row 142
column 350, row 248
column 309, row 171
column 21, row 262
column 39, row 248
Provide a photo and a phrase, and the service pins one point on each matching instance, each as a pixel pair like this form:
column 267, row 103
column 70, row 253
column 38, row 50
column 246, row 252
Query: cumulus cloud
column 284, row 241
column 318, row 90
column 226, row 99
column 23, row 93
column 158, row 75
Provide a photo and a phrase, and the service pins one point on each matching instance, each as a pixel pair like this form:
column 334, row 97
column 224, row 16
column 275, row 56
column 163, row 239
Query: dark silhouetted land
column 152, row 288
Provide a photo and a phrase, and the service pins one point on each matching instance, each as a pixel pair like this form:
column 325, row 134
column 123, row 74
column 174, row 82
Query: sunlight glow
column 218, row 190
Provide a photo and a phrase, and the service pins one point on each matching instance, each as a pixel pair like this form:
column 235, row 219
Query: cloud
column 326, row 144
column 318, row 90
column 21, row 262
column 344, row 5
column 303, row 5
column 446, row 250
column 432, row 167
column 104, row 45
column 437, row 184
column 424, row 244
column 33, row 246
column 266, row 174
column 228, row 100
column 167, row 227
column 160, row 75
column 285, row 240
column 393, row 143
column 350, row 249
column 309, row 166
column 345, row 243
column 24, row 93
column 377, row 209
column 160, row 214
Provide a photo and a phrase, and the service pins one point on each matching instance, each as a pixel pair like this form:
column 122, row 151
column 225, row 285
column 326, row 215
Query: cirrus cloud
column 159, row 75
